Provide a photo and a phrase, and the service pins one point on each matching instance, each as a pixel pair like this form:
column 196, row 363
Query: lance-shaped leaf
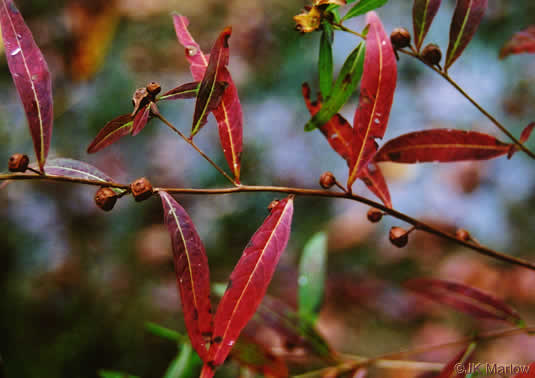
column 184, row 91
column 112, row 132
column 115, row 374
column 325, row 61
column 228, row 114
column 526, row 133
column 254, row 355
column 466, row 19
column 363, row 7
column 451, row 370
column 465, row 299
column 373, row 177
column 423, row 13
column 312, row 272
column 441, row 145
column 219, row 58
column 140, row 120
column 521, row 43
column 376, row 97
column 249, row 281
column 192, row 273
column 526, row 371
column 31, row 77
column 345, row 85
column 185, row 364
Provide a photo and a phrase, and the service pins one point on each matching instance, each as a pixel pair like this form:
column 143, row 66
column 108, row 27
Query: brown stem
column 298, row 192
column 192, row 144
column 474, row 102
column 345, row 367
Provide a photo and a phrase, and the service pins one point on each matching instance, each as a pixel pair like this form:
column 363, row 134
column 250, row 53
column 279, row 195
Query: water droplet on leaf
column 15, row 52
column 191, row 50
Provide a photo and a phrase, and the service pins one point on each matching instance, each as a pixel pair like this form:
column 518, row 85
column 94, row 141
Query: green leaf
column 346, row 83
column 326, row 60
column 186, row 364
column 312, row 272
column 362, row 7
column 114, row 374
column 164, row 333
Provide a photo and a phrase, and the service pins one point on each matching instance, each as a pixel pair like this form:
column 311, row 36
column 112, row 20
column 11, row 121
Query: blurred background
column 78, row 284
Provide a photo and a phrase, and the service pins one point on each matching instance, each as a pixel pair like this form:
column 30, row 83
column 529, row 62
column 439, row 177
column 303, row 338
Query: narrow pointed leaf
column 423, row 13
column 373, row 177
column 249, row 280
column 345, row 85
column 461, row 359
column 114, row 374
column 466, row 19
column 527, row 371
column 363, row 7
column 376, row 97
column 256, row 356
column 465, row 299
column 325, row 61
column 184, row 91
column 186, row 364
column 30, row 74
column 526, row 133
column 140, row 120
column 337, row 130
column 192, row 273
column 312, row 273
column 441, row 145
column 112, row 132
column 228, row 114
column 521, row 43
column 219, row 58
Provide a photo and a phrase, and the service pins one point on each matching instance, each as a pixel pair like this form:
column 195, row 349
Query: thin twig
column 343, row 28
column 192, row 144
column 454, row 84
column 348, row 366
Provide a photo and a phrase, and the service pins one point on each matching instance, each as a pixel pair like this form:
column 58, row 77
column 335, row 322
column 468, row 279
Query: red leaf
column 140, row 120
column 111, row 132
column 441, row 145
column 526, row 133
column 376, row 183
column 465, row 299
column 423, row 13
column 30, row 75
column 466, row 19
column 451, row 370
column 184, row 91
column 192, row 273
column 521, row 42
column 376, row 97
column 249, row 281
column 528, row 372
column 229, row 114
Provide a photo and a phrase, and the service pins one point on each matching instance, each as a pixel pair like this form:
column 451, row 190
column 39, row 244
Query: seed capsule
column 432, row 55
column 462, row 234
column 327, row 180
column 153, row 88
column 399, row 237
column 375, row 215
column 141, row 189
column 105, row 198
column 18, row 163
column 400, row 38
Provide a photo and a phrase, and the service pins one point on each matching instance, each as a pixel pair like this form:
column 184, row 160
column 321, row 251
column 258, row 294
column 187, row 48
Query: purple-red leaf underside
column 249, row 281
column 185, row 91
column 441, row 145
column 526, row 133
column 140, row 120
column 376, row 97
column 339, row 134
column 521, row 43
column 30, row 74
column 192, row 273
column 75, row 169
column 423, row 13
column 466, row 19
column 111, row 132
column 229, row 115
column 219, row 58
column 465, row 299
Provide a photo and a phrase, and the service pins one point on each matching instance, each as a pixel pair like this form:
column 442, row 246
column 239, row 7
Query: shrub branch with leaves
column 371, row 67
